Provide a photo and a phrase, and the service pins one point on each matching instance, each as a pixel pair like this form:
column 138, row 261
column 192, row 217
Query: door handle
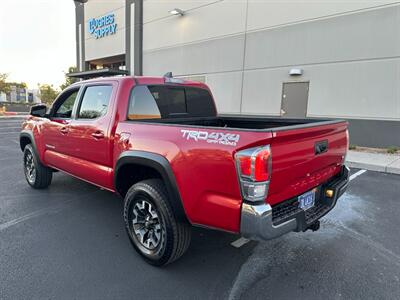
column 98, row 134
column 64, row 130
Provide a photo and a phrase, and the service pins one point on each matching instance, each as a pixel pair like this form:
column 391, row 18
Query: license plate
column 307, row 200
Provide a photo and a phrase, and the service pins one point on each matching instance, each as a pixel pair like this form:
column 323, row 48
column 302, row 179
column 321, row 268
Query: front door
column 55, row 129
column 294, row 100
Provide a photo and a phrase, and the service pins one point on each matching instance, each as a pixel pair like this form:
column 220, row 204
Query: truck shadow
column 207, row 270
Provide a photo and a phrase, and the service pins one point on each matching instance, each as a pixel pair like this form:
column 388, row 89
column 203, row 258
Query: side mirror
column 38, row 110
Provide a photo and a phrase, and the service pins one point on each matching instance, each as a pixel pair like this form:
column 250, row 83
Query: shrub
column 392, row 149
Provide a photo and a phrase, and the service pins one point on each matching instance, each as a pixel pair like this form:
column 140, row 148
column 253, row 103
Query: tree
column 22, row 85
column 47, row 93
column 18, row 85
column 4, row 86
column 69, row 80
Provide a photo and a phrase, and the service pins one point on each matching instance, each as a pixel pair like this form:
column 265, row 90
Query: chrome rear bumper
column 257, row 219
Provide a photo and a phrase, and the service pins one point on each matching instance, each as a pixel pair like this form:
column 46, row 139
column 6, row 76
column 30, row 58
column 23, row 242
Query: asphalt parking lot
column 68, row 242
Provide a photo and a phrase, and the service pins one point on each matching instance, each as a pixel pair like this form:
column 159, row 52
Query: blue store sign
column 102, row 26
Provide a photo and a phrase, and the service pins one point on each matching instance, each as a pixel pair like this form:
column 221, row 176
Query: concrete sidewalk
column 387, row 163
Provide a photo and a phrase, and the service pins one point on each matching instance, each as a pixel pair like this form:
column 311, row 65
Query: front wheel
column 37, row 175
column 150, row 223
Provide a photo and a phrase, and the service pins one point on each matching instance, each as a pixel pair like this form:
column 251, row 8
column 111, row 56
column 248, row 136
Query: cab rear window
column 165, row 102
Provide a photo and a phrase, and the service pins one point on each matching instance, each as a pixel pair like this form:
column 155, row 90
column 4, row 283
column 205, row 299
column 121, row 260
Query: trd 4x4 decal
column 211, row 137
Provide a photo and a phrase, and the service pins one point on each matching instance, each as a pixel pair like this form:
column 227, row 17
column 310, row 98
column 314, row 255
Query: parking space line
column 240, row 242
column 41, row 212
column 355, row 175
column 45, row 211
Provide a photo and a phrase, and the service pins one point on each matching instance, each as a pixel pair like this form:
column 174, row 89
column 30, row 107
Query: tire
column 157, row 236
column 37, row 175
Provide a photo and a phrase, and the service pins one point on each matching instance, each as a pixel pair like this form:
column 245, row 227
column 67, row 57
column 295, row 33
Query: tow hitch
column 314, row 226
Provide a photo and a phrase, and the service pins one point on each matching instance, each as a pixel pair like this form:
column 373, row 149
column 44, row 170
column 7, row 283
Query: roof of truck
column 145, row 80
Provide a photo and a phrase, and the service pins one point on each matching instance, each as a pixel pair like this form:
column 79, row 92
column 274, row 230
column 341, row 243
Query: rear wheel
column 150, row 223
column 37, row 175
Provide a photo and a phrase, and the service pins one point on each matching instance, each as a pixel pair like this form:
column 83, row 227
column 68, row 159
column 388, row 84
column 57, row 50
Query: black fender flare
column 163, row 167
column 27, row 134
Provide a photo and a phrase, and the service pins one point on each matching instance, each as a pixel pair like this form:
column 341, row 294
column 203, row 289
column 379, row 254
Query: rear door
column 304, row 157
column 89, row 133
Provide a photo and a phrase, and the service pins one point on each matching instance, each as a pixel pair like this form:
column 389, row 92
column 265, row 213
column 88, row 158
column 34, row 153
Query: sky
column 37, row 40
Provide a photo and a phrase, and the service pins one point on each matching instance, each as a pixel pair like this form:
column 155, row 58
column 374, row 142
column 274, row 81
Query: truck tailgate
column 300, row 161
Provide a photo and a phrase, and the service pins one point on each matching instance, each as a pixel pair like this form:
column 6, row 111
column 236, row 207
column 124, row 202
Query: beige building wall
column 110, row 45
column 349, row 52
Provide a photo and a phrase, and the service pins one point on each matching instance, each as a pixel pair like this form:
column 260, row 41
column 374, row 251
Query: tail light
column 254, row 170
column 347, row 146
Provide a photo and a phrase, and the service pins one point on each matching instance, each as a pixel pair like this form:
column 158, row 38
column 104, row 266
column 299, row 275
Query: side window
column 95, row 102
column 64, row 110
column 143, row 105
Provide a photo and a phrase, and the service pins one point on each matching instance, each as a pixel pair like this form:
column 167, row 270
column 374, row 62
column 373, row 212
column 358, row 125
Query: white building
column 33, row 96
column 329, row 59
column 3, row 97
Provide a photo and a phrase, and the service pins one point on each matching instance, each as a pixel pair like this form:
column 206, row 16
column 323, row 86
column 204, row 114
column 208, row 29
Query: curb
column 383, row 169
column 374, row 162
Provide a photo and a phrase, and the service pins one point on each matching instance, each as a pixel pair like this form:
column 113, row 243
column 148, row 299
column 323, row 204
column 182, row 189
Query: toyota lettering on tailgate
column 229, row 139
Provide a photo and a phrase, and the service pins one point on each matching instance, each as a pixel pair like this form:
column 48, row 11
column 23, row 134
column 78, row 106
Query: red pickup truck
column 159, row 143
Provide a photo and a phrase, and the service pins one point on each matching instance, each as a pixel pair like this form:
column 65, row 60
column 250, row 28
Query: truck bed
column 248, row 123
column 296, row 167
